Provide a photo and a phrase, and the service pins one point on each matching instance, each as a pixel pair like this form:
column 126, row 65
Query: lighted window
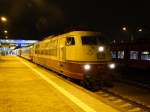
column 70, row 41
column 145, row 55
column 120, row 54
column 114, row 54
column 134, row 55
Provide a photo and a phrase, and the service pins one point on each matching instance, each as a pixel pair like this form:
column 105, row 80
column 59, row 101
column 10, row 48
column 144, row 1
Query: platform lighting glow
column 87, row 67
column 101, row 49
column 6, row 37
column 140, row 30
column 145, row 52
column 124, row 28
column 3, row 19
column 112, row 66
column 5, row 31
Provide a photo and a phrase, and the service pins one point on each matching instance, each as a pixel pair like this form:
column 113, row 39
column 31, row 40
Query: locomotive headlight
column 87, row 67
column 101, row 49
column 112, row 66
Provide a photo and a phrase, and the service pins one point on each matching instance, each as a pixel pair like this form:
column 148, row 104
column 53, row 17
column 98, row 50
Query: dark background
column 35, row 19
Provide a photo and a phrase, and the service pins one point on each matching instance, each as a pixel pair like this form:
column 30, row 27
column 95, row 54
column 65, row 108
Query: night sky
column 35, row 19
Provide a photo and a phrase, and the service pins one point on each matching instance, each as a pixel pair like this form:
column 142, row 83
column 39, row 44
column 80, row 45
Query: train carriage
column 132, row 55
column 26, row 52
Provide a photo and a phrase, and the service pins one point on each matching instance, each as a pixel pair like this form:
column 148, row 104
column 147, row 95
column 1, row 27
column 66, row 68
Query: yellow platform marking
column 112, row 98
column 135, row 110
column 100, row 92
column 125, row 105
column 105, row 95
column 118, row 101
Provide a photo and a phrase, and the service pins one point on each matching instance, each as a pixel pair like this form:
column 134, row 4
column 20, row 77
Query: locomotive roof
column 73, row 33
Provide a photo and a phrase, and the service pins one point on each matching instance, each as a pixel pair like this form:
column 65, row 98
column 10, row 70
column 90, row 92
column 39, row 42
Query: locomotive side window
column 89, row 40
column 134, row 55
column 70, row 41
column 145, row 55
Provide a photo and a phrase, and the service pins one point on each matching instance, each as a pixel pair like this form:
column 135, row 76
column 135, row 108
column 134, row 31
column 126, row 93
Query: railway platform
column 27, row 87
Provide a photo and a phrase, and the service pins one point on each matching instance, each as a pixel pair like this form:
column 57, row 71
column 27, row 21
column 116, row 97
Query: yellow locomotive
column 81, row 55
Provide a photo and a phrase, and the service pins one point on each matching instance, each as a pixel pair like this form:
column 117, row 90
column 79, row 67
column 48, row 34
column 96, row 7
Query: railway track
column 122, row 103
column 125, row 103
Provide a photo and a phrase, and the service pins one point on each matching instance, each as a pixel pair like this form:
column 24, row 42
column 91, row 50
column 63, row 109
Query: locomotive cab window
column 70, row 41
column 89, row 40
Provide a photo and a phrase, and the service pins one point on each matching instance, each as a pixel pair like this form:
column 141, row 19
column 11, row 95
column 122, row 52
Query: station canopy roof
column 20, row 43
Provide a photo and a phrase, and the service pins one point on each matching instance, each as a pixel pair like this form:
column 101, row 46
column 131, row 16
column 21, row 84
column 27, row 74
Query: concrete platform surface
column 26, row 87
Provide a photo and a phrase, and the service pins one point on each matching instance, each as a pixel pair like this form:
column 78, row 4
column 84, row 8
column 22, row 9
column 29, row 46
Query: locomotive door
column 62, row 54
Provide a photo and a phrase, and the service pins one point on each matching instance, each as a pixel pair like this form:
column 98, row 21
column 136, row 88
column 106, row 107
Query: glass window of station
column 134, row 55
column 145, row 55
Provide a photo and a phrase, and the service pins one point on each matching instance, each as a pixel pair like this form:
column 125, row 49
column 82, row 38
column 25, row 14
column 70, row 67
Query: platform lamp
column 131, row 33
column 3, row 19
column 6, row 32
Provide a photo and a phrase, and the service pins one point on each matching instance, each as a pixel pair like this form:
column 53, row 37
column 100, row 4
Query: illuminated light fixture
column 5, row 31
column 112, row 66
column 140, row 30
column 101, row 49
column 145, row 52
column 87, row 67
column 4, row 19
column 124, row 29
column 6, row 37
